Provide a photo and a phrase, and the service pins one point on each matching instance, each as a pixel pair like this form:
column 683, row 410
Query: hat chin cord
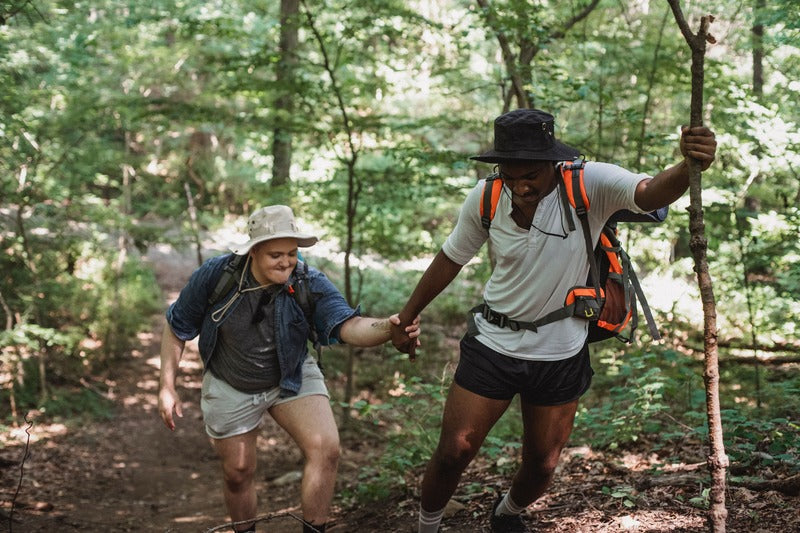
column 217, row 315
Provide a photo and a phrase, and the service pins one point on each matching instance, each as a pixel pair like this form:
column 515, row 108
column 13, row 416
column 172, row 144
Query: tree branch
column 517, row 83
column 718, row 461
column 558, row 34
column 681, row 20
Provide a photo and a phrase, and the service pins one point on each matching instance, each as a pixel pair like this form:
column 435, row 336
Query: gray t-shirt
column 536, row 268
column 246, row 355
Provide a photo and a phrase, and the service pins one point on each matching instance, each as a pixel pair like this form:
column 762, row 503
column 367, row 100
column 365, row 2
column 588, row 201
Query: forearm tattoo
column 380, row 324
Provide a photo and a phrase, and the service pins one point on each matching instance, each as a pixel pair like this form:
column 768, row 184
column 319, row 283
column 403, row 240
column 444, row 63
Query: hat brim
column 303, row 241
column 558, row 152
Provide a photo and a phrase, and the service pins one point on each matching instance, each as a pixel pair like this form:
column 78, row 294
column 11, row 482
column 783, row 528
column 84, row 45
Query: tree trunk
column 651, row 78
column 350, row 158
column 195, row 225
column 758, row 50
column 284, row 104
column 717, row 460
column 518, row 67
column 752, row 203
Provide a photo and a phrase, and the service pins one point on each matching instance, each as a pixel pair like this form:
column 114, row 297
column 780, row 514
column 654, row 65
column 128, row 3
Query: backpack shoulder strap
column 575, row 192
column 572, row 176
column 301, row 292
column 492, row 188
column 227, row 280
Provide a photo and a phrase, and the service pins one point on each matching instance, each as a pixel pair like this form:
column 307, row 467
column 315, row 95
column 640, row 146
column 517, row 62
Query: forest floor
column 130, row 473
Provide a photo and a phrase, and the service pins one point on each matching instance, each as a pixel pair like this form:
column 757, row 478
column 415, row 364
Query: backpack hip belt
column 504, row 321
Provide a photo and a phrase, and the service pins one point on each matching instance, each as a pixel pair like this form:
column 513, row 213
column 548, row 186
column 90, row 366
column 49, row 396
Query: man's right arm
column 171, row 353
column 436, row 278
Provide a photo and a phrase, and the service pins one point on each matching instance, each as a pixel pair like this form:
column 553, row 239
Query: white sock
column 507, row 506
column 429, row 520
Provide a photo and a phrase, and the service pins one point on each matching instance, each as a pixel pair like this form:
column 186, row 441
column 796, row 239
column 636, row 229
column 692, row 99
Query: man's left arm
column 670, row 184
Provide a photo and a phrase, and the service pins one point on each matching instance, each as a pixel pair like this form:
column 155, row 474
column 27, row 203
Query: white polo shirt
column 534, row 270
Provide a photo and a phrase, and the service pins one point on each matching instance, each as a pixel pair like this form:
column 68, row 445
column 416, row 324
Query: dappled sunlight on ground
column 638, row 462
column 34, row 433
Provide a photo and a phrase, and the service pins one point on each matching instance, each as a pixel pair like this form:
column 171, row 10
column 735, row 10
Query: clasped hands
column 405, row 338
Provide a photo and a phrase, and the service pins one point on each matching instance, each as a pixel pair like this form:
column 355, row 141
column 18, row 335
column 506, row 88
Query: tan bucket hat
column 273, row 222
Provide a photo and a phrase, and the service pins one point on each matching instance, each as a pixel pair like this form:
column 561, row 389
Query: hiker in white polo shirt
column 537, row 262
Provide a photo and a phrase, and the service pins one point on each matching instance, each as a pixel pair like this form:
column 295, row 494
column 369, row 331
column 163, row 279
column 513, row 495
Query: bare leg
column 309, row 421
column 238, row 456
column 466, row 421
column 546, row 431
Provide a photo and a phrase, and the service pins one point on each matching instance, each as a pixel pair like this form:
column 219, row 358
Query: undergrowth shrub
column 625, row 402
column 123, row 305
column 82, row 321
column 658, row 396
column 413, row 415
column 761, row 444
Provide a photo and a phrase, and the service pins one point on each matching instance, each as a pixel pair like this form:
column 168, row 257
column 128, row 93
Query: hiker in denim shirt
column 253, row 343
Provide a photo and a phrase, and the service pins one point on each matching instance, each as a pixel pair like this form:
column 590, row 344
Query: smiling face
column 528, row 181
column 273, row 261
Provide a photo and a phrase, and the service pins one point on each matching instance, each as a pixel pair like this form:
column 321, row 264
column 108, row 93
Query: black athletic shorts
column 493, row 375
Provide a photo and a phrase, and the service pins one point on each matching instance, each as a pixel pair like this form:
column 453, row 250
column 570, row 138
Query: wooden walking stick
column 717, row 460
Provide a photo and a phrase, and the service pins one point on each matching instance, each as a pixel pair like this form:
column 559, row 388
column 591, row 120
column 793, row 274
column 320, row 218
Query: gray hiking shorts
column 228, row 412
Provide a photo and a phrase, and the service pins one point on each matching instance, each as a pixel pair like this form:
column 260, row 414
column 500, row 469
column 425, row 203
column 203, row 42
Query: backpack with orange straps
column 609, row 298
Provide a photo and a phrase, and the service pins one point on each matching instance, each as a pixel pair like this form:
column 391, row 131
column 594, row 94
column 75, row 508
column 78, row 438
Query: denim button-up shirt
column 190, row 316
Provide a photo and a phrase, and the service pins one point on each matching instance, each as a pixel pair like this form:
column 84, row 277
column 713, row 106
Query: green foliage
column 384, row 291
column 628, row 403
column 34, row 337
column 67, row 403
column 65, row 399
column 504, row 442
column 658, row 397
column 412, row 417
column 624, row 494
column 762, row 443
column 784, row 16
column 773, row 253
column 65, row 305
column 137, row 298
column 703, row 501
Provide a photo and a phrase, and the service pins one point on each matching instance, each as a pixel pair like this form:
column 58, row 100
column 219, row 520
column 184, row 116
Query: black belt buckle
column 499, row 319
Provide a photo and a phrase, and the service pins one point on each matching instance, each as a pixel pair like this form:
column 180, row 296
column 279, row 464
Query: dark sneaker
column 506, row 523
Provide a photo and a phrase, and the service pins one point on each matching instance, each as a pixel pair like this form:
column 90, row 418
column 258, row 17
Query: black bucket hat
column 526, row 135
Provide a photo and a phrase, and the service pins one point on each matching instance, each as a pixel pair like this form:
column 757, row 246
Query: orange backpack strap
column 575, row 192
column 572, row 176
column 492, row 188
